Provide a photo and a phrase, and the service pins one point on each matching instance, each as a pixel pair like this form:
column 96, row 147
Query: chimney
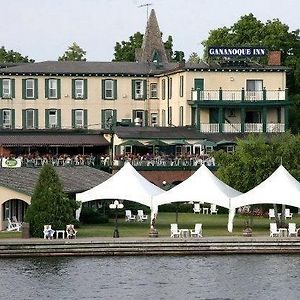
column 274, row 58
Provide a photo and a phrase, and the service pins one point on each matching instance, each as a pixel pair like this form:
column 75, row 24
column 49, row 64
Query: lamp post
column 116, row 205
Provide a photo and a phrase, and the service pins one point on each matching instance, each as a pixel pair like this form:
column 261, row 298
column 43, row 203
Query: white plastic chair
column 140, row 216
column 271, row 213
column 288, row 214
column 174, row 231
column 293, row 231
column 197, row 232
column 48, row 232
column 197, row 208
column 71, row 232
column 213, row 209
column 273, row 230
column 13, row 226
column 129, row 216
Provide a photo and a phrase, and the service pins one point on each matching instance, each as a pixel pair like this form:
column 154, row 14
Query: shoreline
column 148, row 246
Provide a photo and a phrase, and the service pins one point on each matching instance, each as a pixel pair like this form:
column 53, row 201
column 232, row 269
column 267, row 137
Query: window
column 170, row 115
column 79, row 118
column 30, row 119
column 181, row 87
column 6, row 118
column 52, row 88
column 153, row 90
column 108, row 118
column 138, row 89
column 139, row 117
column 254, row 90
column 29, row 88
column 181, row 116
column 109, row 89
column 6, row 88
column 163, row 118
column 170, row 88
column 53, row 118
column 79, row 92
column 154, row 119
column 163, row 89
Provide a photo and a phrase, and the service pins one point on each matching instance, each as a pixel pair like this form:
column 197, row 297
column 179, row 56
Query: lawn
column 213, row 225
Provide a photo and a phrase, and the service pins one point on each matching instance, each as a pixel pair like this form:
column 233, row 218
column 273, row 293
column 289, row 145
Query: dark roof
column 74, row 179
column 158, row 133
column 52, row 140
column 87, row 67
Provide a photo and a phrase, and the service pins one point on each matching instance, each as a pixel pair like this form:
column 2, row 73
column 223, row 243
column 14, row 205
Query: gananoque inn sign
column 236, row 51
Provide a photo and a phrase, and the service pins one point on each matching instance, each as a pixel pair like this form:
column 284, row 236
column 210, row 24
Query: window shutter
column 115, row 117
column 102, row 118
column 115, row 89
column 13, row 118
column 46, row 88
column 73, row 88
column 144, row 89
column 46, row 118
column 85, row 89
column 36, row 118
column 13, row 88
column 146, row 118
column 103, row 89
column 59, row 118
column 133, row 89
column 1, row 118
column 85, row 118
column 73, row 118
column 58, row 89
column 36, row 89
column 23, row 118
column 1, row 88
column 23, row 88
column 133, row 115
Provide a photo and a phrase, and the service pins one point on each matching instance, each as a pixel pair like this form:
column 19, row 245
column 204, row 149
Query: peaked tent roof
column 280, row 188
column 203, row 186
column 126, row 184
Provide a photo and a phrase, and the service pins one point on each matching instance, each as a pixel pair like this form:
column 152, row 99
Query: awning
column 53, row 140
column 132, row 143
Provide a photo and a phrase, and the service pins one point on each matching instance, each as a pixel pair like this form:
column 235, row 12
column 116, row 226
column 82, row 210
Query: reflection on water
column 164, row 277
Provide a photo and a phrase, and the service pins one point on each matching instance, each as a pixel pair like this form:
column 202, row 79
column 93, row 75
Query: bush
column 90, row 215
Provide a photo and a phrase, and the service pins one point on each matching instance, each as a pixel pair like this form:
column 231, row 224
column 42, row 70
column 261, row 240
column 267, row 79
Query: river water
column 153, row 277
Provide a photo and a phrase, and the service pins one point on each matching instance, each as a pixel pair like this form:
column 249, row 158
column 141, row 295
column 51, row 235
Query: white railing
column 253, row 127
column 275, row 127
column 232, row 95
column 275, row 95
column 210, row 127
column 253, row 95
column 229, row 127
column 205, row 95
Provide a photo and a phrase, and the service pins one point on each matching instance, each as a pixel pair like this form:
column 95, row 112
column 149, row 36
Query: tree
column 194, row 58
column 273, row 35
column 49, row 204
column 10, row 56
column 74, row 53
column 125, row 50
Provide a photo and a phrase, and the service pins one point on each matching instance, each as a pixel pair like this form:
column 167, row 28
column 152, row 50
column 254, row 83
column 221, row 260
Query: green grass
column 213, row 225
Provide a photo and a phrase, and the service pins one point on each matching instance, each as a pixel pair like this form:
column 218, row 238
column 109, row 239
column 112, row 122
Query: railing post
column 243, row 94
column 264, row 119
column 220, row 94
column 242, row 119
column 264, row 94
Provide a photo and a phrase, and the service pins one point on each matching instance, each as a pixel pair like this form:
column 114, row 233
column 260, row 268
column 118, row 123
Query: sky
column 44, row 29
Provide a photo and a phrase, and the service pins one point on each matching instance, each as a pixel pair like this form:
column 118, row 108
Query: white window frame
column 52, row 88
column 153, row 90
column 6, row 118
column 141, row 115
column 52, row 118
column 154, row 119
column 29, row 88
column 138, row 89
column 6, row 85
column 109, row 89
column 108, row 116
column 79, row 88
column 79, row 118
column 28, row 117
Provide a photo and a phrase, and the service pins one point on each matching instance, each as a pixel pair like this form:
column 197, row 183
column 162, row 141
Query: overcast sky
column 43, row 29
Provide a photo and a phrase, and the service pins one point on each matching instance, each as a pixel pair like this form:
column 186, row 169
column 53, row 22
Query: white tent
column 202, row 186
column 126, row 184
column 279, row 188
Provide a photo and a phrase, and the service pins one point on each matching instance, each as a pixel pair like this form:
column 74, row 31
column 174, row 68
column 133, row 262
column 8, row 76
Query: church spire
column 153, row 49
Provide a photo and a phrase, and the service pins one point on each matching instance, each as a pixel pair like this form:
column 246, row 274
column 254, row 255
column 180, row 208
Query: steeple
column 153, row 49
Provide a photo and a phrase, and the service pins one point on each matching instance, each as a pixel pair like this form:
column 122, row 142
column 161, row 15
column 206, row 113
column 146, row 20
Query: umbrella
column 132, row 143
column 225, row 142
column 206, row 143
column 157, row 143
column 180, row 142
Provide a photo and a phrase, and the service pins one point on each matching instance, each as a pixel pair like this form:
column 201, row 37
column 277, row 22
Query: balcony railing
column 210, row 127
column 238, row 95
column 275, row 127
column 229, row 127
column 253, row 127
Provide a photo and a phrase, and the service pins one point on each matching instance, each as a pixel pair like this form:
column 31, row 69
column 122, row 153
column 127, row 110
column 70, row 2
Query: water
column 164, row 277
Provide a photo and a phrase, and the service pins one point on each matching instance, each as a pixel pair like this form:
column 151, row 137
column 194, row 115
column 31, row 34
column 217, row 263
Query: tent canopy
column 203, row 186
column 280, row 188
column 126, row 184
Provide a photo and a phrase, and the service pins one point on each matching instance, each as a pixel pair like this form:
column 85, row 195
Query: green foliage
column 74, row 53
column 49, row 204
column 194, row 58
column 256, row 158
column 10, row 56
column 91, row 215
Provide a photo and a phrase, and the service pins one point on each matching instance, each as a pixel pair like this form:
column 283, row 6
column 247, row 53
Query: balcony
column 238, row 95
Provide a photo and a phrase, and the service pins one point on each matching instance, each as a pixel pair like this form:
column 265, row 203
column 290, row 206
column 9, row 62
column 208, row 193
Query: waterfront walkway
column 148, row 246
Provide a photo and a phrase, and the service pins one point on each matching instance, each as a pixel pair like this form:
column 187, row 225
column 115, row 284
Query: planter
column 247, row 231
